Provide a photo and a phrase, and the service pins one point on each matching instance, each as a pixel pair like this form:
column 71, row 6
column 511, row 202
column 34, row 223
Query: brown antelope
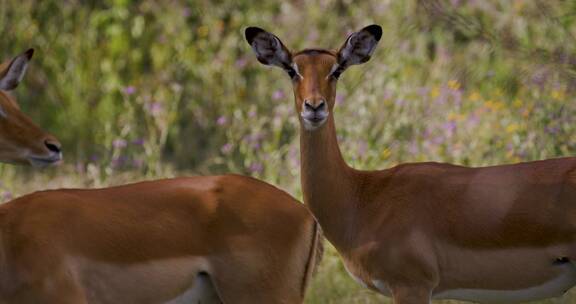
column 219, row 239
column 427, row 230
column 21, row 140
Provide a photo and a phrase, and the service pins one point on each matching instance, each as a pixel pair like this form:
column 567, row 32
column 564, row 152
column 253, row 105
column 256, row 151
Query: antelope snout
column 314, row 113
column 52, row 153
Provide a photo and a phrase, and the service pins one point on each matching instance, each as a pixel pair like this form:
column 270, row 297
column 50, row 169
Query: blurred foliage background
column 145, row 89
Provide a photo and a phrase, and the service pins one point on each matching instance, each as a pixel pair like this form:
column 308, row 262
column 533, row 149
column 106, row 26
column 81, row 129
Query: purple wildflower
column 186, row 12
column 129, row 90
column 118, row 162
column 254, row 140
column 154, row 108
column 553, row 130
column 413, row 148
column 119, row 143
column 222, row 120
column 339, row 99
column 256, row 167
column 388, row 94
column 457, row 95
column 473, row 120
column 227, row 148
column 362, row 148
column 137, row 163
column 7, row 195
column 450, row 128
column 94, row 158
column 278, row 94
column 138, row 142
column 438, row 140
column 80, row 167
column 241, row 62
column 423, row 91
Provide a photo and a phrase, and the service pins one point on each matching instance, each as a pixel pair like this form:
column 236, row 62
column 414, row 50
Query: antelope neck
column 328, row 183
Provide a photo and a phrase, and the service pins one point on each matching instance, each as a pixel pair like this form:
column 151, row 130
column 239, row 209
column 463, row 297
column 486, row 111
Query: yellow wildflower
column 456, row 116
column 510, row 154
column 474, row 96
column 494, row 105
column 385, row 153
column 435, row 92
column 203, row 31
column 517, row 103
column 511, row 128
column 557, row 94
column 454, row 84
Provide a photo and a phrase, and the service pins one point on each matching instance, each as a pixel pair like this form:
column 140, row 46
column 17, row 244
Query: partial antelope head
column 21, row 140
column 314, row 72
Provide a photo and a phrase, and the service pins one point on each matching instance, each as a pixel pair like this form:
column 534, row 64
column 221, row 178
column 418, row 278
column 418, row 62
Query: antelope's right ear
column 270, row 50
column 12, row 72
column 357, row 49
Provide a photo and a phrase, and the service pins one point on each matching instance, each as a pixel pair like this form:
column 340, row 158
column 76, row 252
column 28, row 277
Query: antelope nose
column 53, row 145
column 320, row 105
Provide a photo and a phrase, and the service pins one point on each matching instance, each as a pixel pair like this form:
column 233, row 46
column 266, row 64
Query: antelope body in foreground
column 21, row 140
column 427, row 230
column 220, row 239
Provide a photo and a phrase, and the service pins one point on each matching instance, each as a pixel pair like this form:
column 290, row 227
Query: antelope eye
column 335, row 74
column 291, row 72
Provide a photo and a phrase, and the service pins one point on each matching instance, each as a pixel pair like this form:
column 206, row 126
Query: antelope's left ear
column 270, row 50
column 358, row 47
column 12, row 72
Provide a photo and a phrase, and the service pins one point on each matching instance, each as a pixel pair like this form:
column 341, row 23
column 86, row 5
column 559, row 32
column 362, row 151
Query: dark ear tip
column 251, row 32
column 29, row 53
column 375, row 30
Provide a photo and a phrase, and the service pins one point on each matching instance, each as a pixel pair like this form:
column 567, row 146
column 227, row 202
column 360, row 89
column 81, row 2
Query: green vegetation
column 145, row 89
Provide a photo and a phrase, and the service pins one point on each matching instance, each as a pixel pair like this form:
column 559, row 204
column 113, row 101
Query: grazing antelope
column 220, row 239
column 21, row 140
column 427, row 230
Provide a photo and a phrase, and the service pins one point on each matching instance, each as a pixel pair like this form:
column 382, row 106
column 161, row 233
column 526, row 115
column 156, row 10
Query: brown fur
column 20, row 137
column 314, row 256
column 423, row 229
column 254, row 241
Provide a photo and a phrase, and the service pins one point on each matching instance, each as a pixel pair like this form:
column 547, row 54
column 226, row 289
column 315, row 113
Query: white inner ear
column 15, row 73
column 295, row 67
column 282, row 55
column 347, row 51
column 269, row 48
column 332, row 70
column 363, row 46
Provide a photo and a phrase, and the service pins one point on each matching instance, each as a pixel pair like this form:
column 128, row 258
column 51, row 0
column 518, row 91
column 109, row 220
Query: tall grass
column 146, row 89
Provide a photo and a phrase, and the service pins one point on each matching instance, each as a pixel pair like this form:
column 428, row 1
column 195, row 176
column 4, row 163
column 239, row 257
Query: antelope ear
column 358, row 47
column 269, row 49
column 12, row 72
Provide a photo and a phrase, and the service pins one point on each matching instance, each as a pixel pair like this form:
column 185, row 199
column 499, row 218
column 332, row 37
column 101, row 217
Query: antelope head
column 314, row 72
column 21, row 140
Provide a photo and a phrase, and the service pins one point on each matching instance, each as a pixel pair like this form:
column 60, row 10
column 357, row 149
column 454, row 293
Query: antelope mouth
column 313, row 121
column 41, row 162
